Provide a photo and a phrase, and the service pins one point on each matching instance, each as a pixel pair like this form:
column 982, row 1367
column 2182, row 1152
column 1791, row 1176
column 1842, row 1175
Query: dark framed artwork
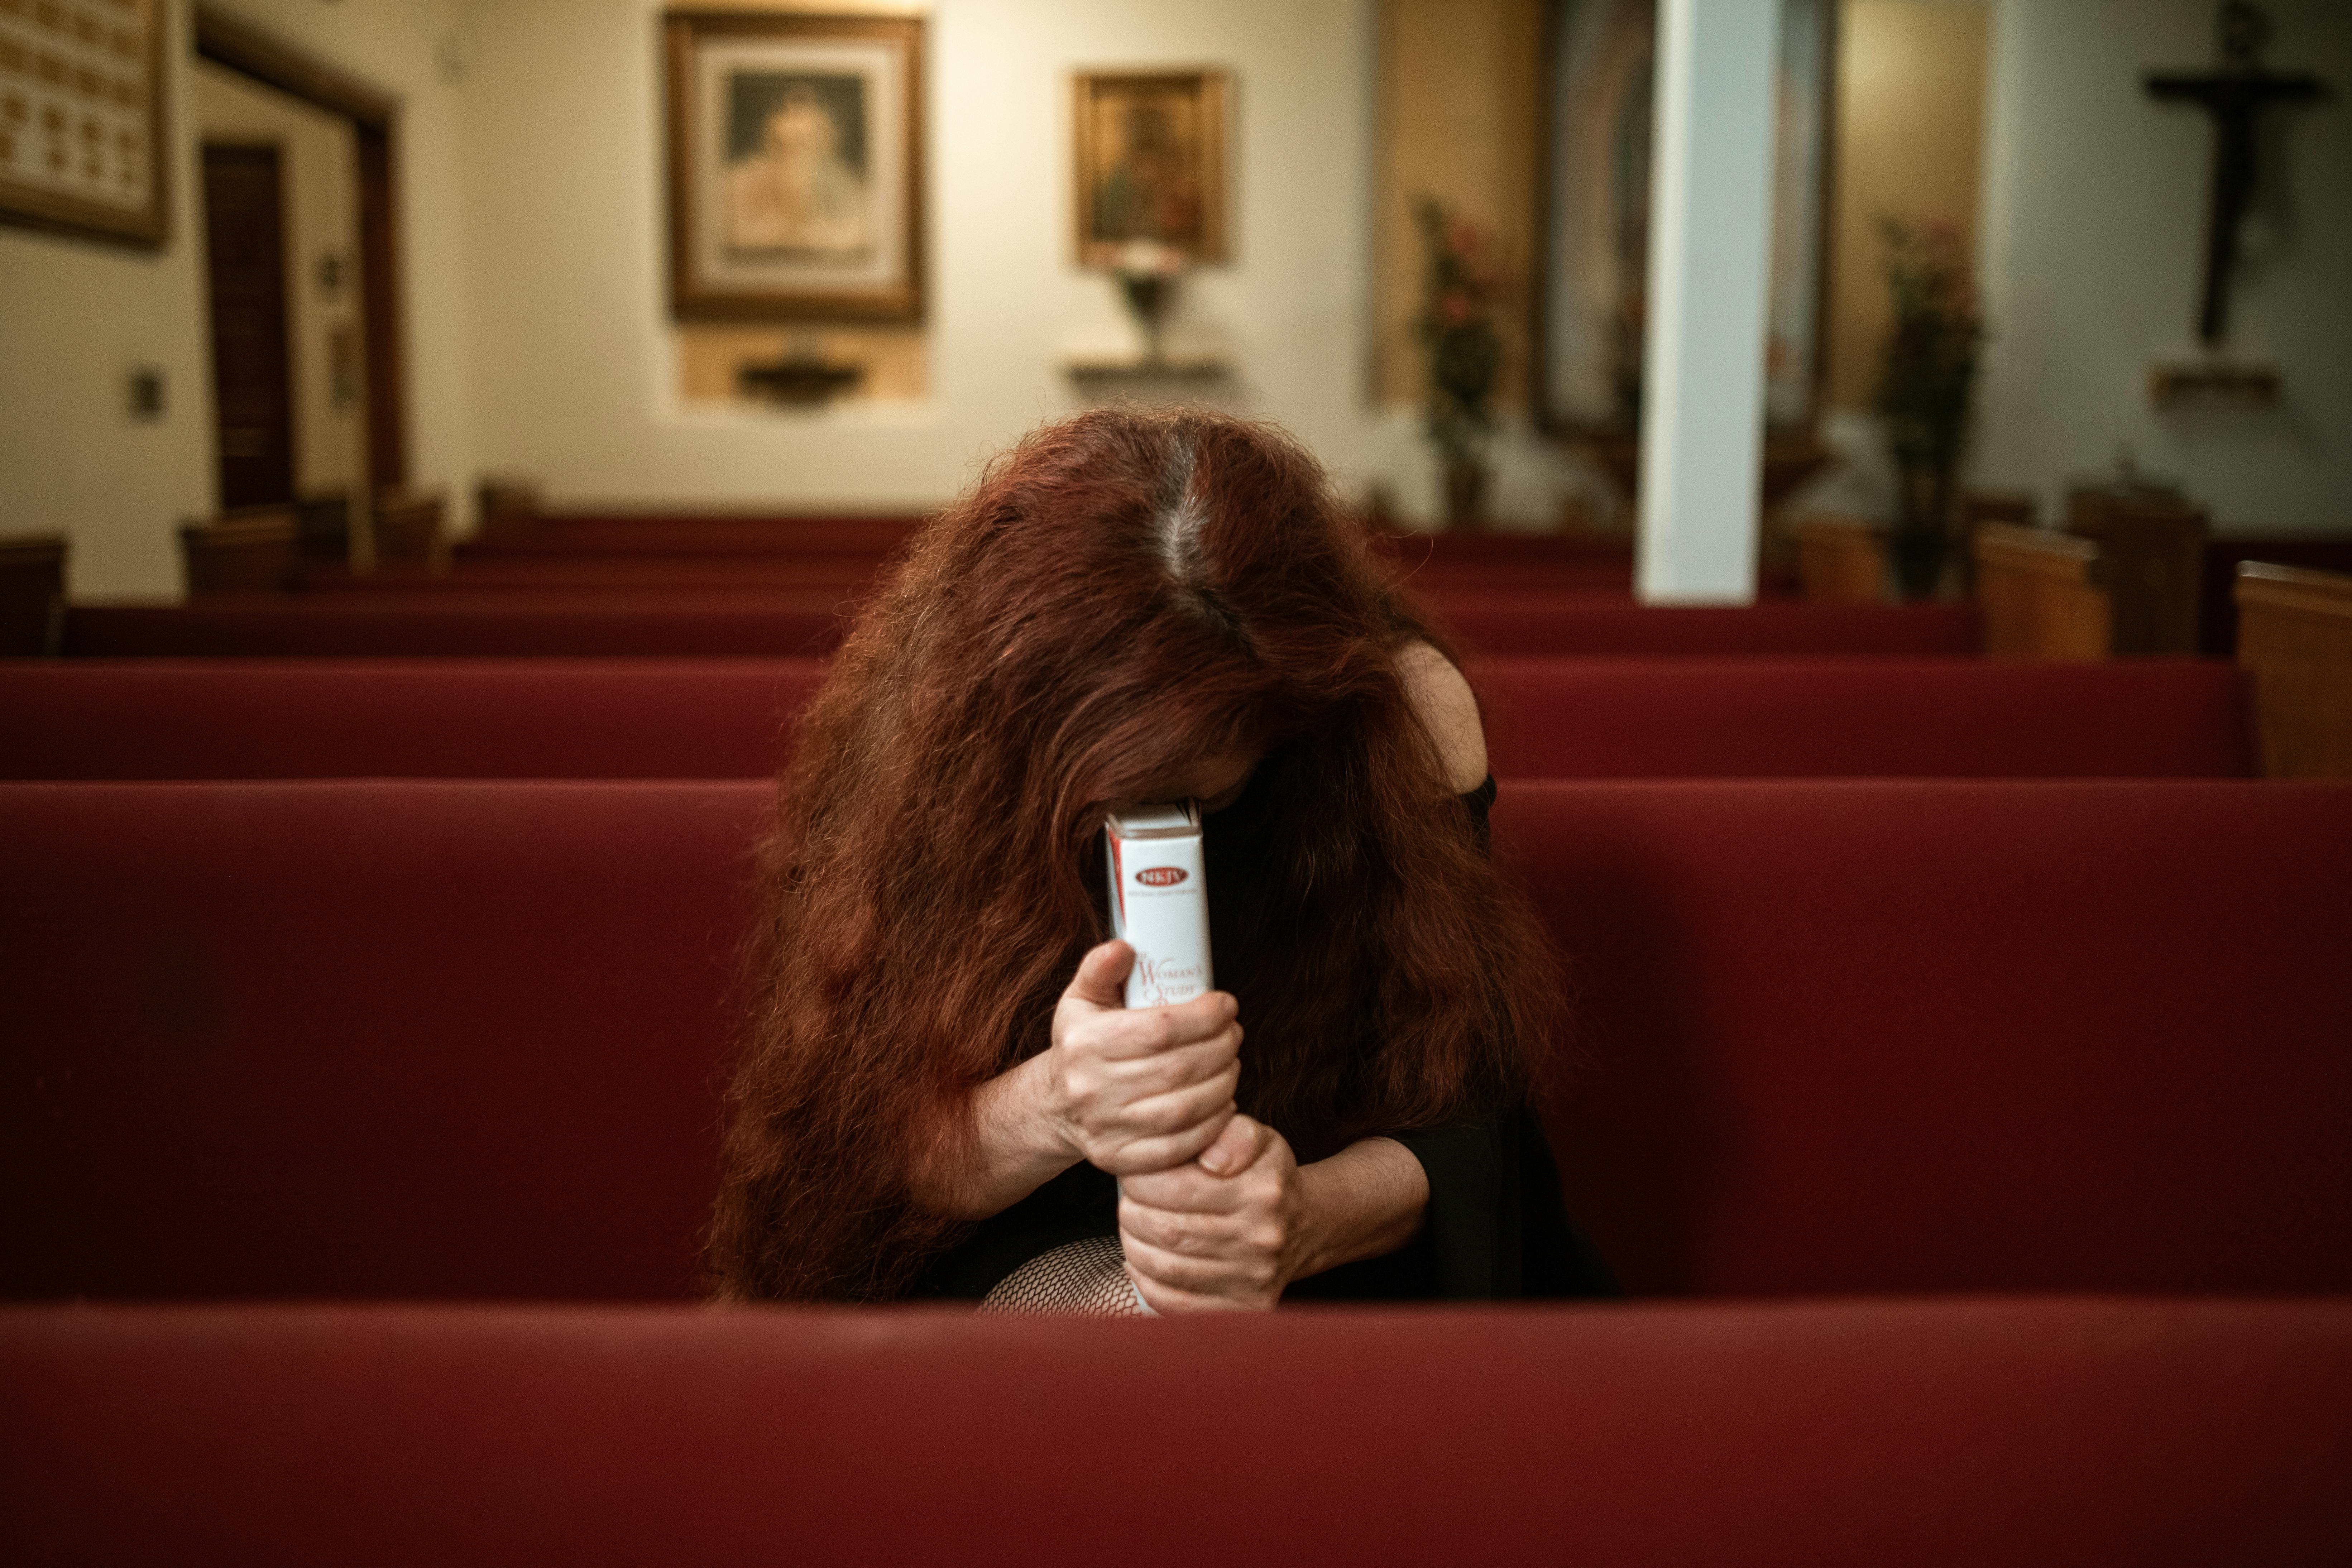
column 1151, row 162
column 795, row 166
column 1593, row 273
column 84, row 146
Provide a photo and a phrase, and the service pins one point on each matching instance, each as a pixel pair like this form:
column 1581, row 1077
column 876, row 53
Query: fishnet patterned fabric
column 1087, row 1278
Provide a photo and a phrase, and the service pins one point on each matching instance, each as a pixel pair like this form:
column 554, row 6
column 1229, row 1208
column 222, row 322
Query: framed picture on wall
column 1151, row 149
column 83, row 143
column 795, row 166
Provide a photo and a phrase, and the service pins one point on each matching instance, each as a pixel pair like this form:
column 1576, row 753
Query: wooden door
column 253, row 394
column 380, row 306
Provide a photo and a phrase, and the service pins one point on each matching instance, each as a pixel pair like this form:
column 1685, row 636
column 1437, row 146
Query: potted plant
column 1456, row 326
column 1926, row 382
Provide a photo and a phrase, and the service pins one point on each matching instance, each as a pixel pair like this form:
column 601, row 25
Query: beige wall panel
column 1460, row 119
column 1911, row 104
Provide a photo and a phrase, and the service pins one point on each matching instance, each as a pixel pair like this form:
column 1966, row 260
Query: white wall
column 575, row 361
column 2095, row 210
column 76, row 315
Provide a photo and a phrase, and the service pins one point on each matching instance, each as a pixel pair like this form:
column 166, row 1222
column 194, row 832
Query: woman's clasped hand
column 1210, row 1203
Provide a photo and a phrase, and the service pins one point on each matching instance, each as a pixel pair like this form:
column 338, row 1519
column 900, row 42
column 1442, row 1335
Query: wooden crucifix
column 2235, row 96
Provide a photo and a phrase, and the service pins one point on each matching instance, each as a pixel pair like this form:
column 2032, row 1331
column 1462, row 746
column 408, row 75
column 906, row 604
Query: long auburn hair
column 1122, row 592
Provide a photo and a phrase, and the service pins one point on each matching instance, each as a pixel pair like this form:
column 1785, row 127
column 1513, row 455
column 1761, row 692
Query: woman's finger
column 1238, row 1148
column 1206, row 1278
column 1185, row 1188
column 1155, row 1115
column 1186, row 1234
column 1147, row 1031
column 1099, row 981
column 1140, row 1076
column 1168, row 1302
column 1145, row 1156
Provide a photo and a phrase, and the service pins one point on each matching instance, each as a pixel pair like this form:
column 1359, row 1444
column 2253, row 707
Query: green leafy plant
column 1927, row 384
column 1456, row 326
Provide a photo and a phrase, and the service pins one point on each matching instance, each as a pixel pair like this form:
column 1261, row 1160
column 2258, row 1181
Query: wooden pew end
column 2295, row 637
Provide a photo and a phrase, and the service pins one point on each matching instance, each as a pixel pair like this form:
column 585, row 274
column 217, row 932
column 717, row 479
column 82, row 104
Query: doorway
column 245, row 262
column 229, row 42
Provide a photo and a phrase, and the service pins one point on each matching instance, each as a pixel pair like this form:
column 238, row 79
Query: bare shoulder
column 1443, row 699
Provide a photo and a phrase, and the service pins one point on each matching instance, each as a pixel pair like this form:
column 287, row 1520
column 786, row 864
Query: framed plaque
column 84, row 148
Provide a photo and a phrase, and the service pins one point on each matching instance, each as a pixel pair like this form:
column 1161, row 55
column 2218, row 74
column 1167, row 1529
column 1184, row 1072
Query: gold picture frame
column 1151, row 162
column 795, row 164
column 85, row 148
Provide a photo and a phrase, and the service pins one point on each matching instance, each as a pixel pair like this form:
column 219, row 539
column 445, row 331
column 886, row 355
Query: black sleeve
column 1472, row 1254
column 1496, row 1229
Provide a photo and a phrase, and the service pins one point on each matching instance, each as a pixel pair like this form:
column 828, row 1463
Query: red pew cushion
column 2061, row 1433
column 430, row 623
column 846, row 577
column 1928, row 717
column 1493, row 625
column 717, row 717
column 113, row 719
column 365, row 1039
column 703, row 623
column 628, row 535
column 1945, row 1035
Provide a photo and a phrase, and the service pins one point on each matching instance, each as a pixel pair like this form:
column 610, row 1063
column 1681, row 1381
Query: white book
column 1159, row 902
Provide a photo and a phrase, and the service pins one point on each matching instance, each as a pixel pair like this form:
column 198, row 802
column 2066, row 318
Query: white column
column 1710, row 246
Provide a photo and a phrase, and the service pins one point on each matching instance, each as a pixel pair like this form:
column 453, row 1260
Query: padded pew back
column 396, row 624
column 810, row 621
column 1917, row 718
column 95, row 719
column 1947, row 1036
column 228, row 719
column 468, row 1039
column 365, row 1039
column 1495, row 623
column 1831, row 1435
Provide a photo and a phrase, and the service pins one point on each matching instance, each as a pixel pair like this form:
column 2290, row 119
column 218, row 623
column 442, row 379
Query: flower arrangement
column 1456, row 326
column 1926, row 380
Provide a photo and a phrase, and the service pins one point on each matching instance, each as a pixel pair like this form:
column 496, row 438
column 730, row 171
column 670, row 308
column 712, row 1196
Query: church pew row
column 1468, row 558
column 779, row 623
column 537, row 573
column 2067, row 1432
column 731, row 719
column 623, row 535
column 844, row 577
column 464, row 1040
column 1497, row 623
column 625, row 553
column 811, row 621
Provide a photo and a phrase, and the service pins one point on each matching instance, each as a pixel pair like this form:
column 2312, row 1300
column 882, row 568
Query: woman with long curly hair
column 941, row 1094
